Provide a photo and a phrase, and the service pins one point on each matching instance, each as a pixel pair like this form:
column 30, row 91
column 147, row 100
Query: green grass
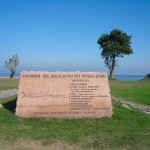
column 135, row 91
column 125, row 130
column 7, row 83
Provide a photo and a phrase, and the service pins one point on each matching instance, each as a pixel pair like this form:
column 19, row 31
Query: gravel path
column 145, row 109
column 8, row 93
column 142, row 108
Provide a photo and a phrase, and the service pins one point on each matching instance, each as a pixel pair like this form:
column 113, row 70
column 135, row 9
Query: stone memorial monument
column 64, row 94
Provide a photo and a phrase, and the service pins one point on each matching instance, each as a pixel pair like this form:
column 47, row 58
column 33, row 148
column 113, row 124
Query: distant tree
column 113, row 45
column 147, row 76
column 12, row 64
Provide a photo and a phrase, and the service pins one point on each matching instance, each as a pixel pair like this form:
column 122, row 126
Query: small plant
column 12, row 64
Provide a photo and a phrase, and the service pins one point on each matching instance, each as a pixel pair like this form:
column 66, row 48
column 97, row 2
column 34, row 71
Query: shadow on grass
column 11, row 105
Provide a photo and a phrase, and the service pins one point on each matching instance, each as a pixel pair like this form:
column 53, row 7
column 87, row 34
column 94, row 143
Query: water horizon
column 129, row 77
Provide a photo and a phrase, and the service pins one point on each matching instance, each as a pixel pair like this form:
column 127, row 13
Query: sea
column 129, row 77
column 119, row 77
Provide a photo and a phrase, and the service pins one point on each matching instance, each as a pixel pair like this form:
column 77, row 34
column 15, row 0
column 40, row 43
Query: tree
column 113, row 45
column 12, row 64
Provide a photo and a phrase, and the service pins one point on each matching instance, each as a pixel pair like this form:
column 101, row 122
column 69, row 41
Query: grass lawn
column 135, row 91
column 7, row 83
column 124, row 130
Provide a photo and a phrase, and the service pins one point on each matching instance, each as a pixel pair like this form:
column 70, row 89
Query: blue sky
column 61, row 35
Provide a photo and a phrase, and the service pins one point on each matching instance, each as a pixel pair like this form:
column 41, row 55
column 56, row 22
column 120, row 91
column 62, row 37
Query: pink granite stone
column 64, row 94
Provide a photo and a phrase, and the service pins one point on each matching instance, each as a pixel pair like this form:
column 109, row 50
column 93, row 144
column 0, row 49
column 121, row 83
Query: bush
column 147, row 76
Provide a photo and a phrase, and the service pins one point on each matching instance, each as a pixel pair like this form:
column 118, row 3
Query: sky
column 61, row 35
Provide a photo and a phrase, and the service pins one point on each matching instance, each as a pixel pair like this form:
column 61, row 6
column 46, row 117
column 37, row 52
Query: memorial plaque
column 64, row 94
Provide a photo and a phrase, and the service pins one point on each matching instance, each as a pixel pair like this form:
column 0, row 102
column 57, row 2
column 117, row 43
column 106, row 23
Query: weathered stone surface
column 63, row 94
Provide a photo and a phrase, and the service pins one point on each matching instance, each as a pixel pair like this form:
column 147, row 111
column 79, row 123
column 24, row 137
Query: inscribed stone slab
column 64, row 94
